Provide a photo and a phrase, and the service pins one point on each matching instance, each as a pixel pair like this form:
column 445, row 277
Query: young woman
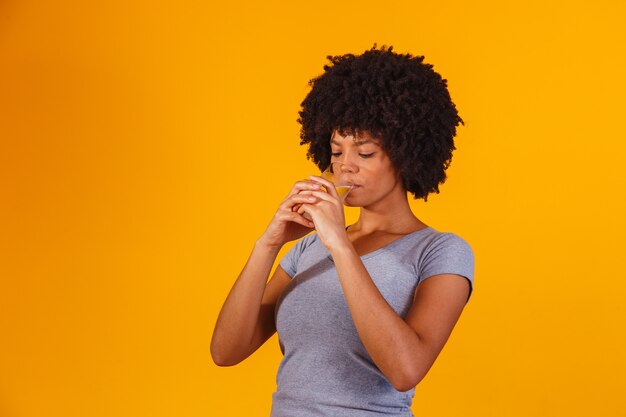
column 362, row 311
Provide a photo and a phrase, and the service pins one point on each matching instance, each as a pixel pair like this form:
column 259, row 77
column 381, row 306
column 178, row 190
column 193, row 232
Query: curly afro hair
column 395, row 97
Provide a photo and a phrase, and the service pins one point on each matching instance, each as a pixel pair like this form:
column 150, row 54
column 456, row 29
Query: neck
column 390, row 215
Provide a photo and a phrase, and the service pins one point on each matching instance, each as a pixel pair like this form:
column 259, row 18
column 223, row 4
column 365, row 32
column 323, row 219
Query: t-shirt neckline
column 382, row 249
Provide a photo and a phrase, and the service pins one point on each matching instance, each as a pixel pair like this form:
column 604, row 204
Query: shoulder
column 433, row 242
column 448, row 241
column 291, row 259
column 306, row 241
column 303, row 244
column 448, row 247
column 447, row 253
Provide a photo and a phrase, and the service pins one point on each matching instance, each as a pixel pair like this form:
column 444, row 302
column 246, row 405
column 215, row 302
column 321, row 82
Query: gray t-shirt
column 326, row 370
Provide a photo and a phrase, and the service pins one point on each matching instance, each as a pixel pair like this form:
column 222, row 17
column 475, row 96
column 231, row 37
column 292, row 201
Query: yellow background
column 144, row 146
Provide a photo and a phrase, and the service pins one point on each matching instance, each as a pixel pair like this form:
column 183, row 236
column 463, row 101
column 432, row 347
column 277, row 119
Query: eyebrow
column 358, row 142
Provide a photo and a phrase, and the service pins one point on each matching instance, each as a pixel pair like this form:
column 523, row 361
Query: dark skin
column 403, row 349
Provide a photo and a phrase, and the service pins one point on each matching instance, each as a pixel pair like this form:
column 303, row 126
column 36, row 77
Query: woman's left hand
column 327, row 215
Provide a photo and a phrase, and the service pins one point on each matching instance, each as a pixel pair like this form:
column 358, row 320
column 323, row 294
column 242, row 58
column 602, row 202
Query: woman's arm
column 404, row 351
column 246, row 320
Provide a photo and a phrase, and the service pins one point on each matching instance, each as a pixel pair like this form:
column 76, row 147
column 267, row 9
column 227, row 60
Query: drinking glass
column 329, row 175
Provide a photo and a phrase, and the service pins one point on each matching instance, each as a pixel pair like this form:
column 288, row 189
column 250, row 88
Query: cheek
column 372, row 188
column 383, row 180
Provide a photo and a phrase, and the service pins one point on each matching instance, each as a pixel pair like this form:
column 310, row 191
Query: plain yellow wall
column 144, row 146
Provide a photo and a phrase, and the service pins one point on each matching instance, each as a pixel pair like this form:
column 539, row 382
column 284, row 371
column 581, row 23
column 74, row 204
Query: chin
column 351, row 202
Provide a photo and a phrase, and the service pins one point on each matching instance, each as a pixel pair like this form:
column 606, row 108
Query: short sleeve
column 448, row 254
column 289, row 262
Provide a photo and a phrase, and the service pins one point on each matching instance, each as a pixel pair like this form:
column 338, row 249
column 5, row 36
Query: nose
column 344, row 167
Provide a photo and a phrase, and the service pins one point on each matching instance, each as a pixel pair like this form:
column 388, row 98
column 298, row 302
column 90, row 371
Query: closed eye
column 362, row 155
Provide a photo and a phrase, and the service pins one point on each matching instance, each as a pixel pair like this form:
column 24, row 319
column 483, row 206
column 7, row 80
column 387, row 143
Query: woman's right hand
column 287, row 224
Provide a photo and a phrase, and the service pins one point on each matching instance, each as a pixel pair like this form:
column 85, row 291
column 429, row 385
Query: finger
column 321, row 195
column 296, row 199
column 296, row 207
column 324, row 196
column 307, row 208
column 330, row 187
column 311, row 210
column 294, row 217
column 298, row 218
column 303, row 185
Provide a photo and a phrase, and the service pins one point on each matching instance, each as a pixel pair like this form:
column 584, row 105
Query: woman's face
column 364, row 164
